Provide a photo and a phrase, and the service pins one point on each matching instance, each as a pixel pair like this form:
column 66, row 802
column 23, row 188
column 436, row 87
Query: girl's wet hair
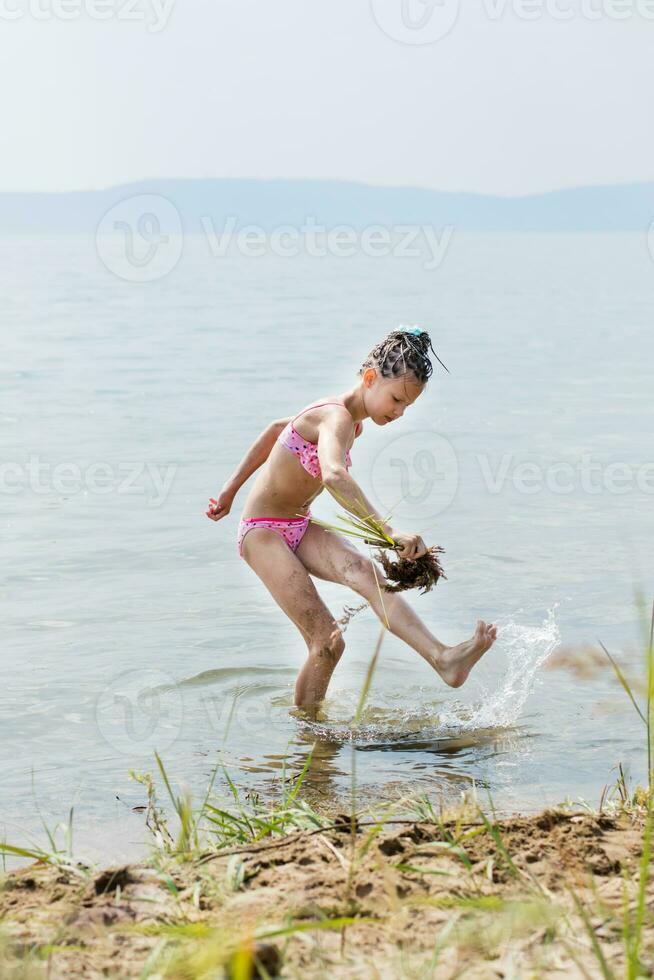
column 403, row 352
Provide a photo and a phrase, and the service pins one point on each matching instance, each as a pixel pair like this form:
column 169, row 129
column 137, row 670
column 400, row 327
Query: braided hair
column 403, row 352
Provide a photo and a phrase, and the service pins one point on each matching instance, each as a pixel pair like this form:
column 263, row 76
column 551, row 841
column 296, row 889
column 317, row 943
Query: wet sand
column 463, row 898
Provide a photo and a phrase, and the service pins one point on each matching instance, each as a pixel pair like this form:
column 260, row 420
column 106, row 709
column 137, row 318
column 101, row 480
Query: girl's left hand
column 221, row 507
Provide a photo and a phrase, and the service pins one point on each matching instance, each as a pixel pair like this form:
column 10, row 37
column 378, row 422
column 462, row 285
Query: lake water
column 130, row 623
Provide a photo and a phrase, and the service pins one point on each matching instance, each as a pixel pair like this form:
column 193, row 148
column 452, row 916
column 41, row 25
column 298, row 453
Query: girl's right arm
column 334, row 434
column 349, row 495
column 347, row 492
column 333, row 437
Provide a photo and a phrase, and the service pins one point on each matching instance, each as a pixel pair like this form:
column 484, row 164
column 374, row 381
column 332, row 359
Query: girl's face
column 387, row 399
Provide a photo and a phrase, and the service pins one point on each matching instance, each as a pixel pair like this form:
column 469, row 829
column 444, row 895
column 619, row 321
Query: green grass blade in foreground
column 493, row 830
column 164, row 774
column 623, row 681
column 368, row 678
column 606, row 970
column 37, row 854
column 423, row 871
column 298, row 781
column 633, row 931
column 56, row 856
column 636, row 935
column 246, row 817
column 188, row 826
column 381, row 596
column 441, row 943
column 319, row 924
column 353, row 793
column 51, row 835
column 154, row 961
column 208, row 792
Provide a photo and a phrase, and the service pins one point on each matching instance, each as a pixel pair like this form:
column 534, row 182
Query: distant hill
column 270, row 203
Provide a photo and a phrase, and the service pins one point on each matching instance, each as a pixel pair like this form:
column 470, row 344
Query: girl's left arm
column 255, row 457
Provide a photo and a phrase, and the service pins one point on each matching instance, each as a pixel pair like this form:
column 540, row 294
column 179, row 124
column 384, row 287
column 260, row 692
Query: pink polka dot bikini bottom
column 291, row 529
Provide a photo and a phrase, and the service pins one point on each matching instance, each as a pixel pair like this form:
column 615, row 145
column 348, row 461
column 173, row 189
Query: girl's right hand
column 221, row 507
column 410, row 545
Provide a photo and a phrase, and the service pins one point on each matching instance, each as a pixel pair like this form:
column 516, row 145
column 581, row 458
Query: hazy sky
column 516, row 96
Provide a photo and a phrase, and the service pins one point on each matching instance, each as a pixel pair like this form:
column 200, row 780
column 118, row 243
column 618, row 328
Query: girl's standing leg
column 331, row 557
column 289, row 583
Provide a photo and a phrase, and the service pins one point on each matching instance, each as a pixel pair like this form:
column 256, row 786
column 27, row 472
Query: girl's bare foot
column 455, row 663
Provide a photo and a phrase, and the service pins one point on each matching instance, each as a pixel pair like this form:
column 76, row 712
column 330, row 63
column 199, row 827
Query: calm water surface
column 129, row 622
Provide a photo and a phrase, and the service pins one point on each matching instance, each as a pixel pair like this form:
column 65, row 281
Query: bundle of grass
column 418, row 573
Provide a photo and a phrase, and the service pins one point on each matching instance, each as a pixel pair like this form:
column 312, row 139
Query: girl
column 286, row 550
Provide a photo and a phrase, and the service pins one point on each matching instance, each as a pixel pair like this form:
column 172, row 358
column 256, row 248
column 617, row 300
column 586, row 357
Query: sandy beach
column 536, row 896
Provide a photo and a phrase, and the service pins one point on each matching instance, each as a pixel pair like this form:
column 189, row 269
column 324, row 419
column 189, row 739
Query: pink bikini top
column 307, row 452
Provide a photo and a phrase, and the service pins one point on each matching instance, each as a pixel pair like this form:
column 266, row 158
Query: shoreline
column 460, row 893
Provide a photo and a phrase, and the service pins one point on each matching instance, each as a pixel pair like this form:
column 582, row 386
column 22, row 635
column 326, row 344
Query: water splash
column 524, row 649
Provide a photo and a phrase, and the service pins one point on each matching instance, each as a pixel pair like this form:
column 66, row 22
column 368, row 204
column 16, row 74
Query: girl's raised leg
column 331, row 557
